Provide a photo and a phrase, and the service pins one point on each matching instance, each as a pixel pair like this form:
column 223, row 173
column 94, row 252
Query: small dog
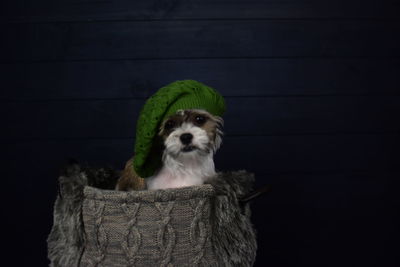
column 191, row 137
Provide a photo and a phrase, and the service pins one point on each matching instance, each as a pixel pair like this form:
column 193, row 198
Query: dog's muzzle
column 186, row 139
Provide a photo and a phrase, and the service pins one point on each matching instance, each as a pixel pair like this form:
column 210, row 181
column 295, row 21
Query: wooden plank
column 231, row 77
column 306, row 211
column 259, row 154
column 245, row 116
column 199, row 39
column 310, row 153
column 84, row 10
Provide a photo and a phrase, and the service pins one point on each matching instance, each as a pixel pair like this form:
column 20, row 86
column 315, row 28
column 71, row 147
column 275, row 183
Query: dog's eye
column 200, row 119
column 169, row 125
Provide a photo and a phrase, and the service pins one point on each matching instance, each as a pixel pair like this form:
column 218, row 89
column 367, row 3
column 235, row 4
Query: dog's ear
column 129, row 179
column 218, row 132
column 217, row 142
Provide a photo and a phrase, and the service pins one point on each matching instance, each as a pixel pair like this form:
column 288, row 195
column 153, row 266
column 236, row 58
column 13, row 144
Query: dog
column 190, row 139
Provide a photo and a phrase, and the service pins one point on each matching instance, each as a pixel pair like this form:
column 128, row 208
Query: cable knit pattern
column 198, row 234
column 166, row 244
column 99, row 236
column 163, row 228
column 182, row 227
column 131, row 232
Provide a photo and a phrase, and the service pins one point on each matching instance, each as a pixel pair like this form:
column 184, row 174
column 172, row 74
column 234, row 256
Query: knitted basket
column 202, row 225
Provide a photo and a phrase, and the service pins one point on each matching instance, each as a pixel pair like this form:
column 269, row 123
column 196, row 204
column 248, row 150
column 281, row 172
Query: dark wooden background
column 312, row 88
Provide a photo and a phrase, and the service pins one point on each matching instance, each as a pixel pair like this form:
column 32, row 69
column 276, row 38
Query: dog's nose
column 186, row 138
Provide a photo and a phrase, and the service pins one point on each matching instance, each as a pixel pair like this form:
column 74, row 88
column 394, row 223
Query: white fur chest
column 181, row 175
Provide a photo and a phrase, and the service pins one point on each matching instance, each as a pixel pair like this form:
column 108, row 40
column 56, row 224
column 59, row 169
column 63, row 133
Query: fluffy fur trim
column 66, row 239
column 233, row 236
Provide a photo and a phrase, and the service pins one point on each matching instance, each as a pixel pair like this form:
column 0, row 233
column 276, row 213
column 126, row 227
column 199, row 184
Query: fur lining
column 66, row 239
column 233, row 236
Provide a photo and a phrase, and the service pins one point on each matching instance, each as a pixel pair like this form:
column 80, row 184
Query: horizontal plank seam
column 327, row 172
column 33, row 61
column 94, row 20
column 91, row 99
column 6, row 140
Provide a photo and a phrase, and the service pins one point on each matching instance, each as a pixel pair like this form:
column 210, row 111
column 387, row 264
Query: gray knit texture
column 202, row 225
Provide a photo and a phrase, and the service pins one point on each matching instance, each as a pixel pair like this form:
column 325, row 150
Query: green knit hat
column 185, row 94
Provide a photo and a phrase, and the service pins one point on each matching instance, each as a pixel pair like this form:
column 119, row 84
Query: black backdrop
column 312, row 89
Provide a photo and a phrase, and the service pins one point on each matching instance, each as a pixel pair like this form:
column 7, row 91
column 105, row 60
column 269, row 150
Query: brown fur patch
column 129, row 180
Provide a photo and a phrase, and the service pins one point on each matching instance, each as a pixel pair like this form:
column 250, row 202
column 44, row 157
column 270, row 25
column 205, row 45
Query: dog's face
column 191, row 132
